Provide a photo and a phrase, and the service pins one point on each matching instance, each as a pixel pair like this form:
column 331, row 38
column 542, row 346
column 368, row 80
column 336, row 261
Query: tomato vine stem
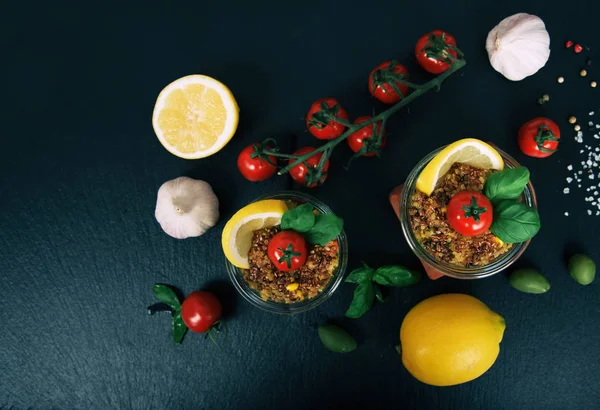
column 327, row 148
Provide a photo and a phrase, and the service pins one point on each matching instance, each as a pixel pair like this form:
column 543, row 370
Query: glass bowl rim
column 498, row 264
column 252, row 296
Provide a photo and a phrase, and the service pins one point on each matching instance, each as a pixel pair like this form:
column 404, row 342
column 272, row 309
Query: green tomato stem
column 383, row 116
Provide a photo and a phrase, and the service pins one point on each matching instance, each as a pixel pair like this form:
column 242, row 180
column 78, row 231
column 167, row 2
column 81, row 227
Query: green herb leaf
column 515, row 222
column 166, row 295
column 326, row 228
column 396, row 276
column 364, row 294
column 179, row 327
column 507, row 184
column 360, row 275
column 299, row 219
column 379, row 294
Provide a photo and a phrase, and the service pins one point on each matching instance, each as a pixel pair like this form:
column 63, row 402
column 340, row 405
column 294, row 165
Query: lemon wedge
column 195, row 116
column 237, row 234
column 469, row 151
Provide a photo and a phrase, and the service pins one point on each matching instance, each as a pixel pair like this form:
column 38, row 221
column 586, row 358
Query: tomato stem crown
column 544, row 135
column 474, row 210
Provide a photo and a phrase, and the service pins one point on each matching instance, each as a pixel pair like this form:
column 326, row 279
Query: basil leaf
column 515, row 222
column 299, row 219
column 507, row 184
column 166, row 295
column 360, row 275
column 364, row 294
column 396, row 276
column 379, row 294
column 326, row 228
column 179, row 327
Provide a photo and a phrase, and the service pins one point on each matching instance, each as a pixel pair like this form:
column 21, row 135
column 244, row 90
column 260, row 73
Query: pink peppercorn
column 578, row 49
column 569, row 44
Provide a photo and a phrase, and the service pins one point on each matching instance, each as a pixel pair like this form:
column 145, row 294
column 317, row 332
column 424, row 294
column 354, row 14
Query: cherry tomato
column 200, row 310
column 287, row 251
column 300, row 172
column 470, row 213
column 432, row 49
column 365, row 136
column 254, row 166
column 539, row 137
column 319, row 122
column 382, row 77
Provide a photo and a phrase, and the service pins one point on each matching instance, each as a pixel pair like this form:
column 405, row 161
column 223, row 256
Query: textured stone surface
column 80, row 167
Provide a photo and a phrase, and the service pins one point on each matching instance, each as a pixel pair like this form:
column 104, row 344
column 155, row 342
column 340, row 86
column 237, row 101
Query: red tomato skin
column 282, row 240
column 527, row 138
column 200, row 310
column 333, row 129
column 299, row 172
column 255, row 169
column 356, row 140
column 384, row 92
column 468, row 226
column 430, row 64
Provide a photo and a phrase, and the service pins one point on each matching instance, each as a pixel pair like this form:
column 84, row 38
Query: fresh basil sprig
column 515, row 222
column 369, row 281
column 299, row 219
column 507, row 184
column 167, row 295
column 317, row 229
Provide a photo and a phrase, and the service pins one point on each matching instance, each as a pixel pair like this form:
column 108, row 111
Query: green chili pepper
column 529, row 281
column 582, row 268
column 336, row 339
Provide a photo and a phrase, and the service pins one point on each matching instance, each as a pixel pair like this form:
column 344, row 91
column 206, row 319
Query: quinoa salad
column 293, row 286
column 432, row 230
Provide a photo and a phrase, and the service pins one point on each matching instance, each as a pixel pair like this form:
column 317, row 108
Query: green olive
column 582, row 268
column 336, row 339
column 529, row 281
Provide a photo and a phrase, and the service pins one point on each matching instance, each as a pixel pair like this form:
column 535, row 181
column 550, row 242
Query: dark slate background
column 80, row 166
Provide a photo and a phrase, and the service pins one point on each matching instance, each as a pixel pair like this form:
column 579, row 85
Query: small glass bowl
column 429, row 262
column 236, row 276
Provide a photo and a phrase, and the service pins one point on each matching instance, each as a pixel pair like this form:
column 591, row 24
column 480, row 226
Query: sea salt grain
column 591, row 123
column 566, row 191
column 589, row 212
column 570, row 167
column 591, row 176
column 569, row 179
column 591, row 112
column 566, row 214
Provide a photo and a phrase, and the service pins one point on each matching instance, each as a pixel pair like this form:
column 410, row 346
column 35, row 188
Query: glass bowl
column 436, row 268
column 252, row 296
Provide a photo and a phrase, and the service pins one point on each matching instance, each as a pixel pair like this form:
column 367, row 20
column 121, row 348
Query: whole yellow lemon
column 450, row 339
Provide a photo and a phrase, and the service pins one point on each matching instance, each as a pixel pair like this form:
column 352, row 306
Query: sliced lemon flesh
column 237, row 234
column 195, row 116
column 469, row 151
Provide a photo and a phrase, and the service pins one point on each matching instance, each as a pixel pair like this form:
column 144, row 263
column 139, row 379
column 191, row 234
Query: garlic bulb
column 186, row 207
column 519, row 46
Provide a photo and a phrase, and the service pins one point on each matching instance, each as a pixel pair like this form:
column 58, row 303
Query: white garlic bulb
column 186, row 207
column 519, row 46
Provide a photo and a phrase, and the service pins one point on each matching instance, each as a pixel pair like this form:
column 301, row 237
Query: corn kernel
column 299, row 295
column 499, row 241
column 292, row 287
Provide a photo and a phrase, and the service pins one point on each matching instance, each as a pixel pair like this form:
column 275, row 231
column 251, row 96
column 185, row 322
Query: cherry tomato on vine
column 306, row 175
column 470, row 213
column 287, row 251
column 364, row 137
column 432, row 49
column 539, row 137
column 320, row 122
column 381, row 82
column 254, row 165
column 200, row 311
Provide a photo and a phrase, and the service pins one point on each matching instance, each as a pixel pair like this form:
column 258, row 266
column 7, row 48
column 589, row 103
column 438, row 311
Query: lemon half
column 469, row 151
column 237, row 234
column 195, row 116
